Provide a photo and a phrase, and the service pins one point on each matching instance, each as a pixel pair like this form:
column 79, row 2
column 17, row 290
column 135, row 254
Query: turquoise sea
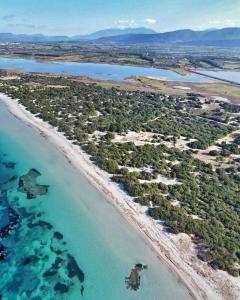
column 70, row 243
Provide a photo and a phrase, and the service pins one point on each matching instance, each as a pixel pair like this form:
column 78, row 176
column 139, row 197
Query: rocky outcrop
column 28, row 184
column 133, row 281
column 73, row 269
column 61, row 288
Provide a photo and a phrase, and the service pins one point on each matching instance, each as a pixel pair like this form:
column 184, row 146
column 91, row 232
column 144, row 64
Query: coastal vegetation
column 155, row 146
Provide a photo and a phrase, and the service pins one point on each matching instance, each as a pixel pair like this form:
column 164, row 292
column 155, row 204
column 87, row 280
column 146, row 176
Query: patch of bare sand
column 204, row 154
column 138, row 138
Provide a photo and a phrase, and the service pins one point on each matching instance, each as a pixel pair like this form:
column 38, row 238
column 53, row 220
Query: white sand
column 180, row 87
column 158, row 78
column 162, row 179
column 176, row 250
column 223, row 99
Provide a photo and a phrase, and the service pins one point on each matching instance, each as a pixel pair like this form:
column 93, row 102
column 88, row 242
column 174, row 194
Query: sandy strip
column 177, row 251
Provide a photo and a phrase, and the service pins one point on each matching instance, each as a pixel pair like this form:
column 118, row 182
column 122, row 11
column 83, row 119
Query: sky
column 72, row 17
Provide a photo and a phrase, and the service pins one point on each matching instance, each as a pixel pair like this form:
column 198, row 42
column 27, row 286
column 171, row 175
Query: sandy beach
column 177, row 251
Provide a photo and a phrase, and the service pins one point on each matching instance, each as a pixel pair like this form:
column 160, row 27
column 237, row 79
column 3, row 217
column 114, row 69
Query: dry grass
column 232, row 92
column 181, row 71
column 159, row 85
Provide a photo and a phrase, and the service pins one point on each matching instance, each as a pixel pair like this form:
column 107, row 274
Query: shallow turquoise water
column 101, row 241
column 94, row 70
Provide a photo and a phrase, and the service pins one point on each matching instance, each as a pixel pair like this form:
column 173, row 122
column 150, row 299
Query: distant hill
column 10, row 37
column 216, row 37
column 114, row 32
column 226, row 37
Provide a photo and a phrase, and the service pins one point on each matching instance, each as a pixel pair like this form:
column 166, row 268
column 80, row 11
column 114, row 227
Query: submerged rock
column 61, row 288
column 50, row 273
column 9, row 164
column 133, row 281
column 3, row 252
column 54, row 268
column 4, row 216
column 11, row 179
column 73, row 269
column 13, row 219
column 57, row 263
column 28, row 184
column 82, row 290
column 40, row 223
column 58, row 235
column 30, row 260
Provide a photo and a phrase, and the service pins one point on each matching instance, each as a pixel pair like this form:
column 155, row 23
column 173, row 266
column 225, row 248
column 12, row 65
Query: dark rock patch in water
column 28, row 184
column 9, row 164
column 57, row 263
column 54, row 268
column 58, row 235
column 9, row 229
column 3, row 252
column 50, row 273
column 82, row 290
column 61, row 288
column 40, row 224
column 29, row 260
column 11, row 179
column 58, row 252
column 4, row 215
column 134, row 280
column 73, row 269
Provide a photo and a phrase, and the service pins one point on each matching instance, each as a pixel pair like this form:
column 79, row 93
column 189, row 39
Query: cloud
column 8, row 17
column 133, row 23
column 150, row 21
column 126, row 23
column 218, row 24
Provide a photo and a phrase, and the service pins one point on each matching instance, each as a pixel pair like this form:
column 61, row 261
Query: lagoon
column 233, row 76
column 96, row 71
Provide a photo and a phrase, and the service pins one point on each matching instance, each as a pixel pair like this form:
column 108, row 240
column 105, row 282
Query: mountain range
column 214, row 37
column 10, row 37
column 115, row 32
column 226, row 37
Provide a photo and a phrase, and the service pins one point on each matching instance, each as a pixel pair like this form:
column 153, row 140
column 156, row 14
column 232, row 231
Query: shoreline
column 200, row 280
column 60, row 59
column 53, row 60
column 57, row 60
